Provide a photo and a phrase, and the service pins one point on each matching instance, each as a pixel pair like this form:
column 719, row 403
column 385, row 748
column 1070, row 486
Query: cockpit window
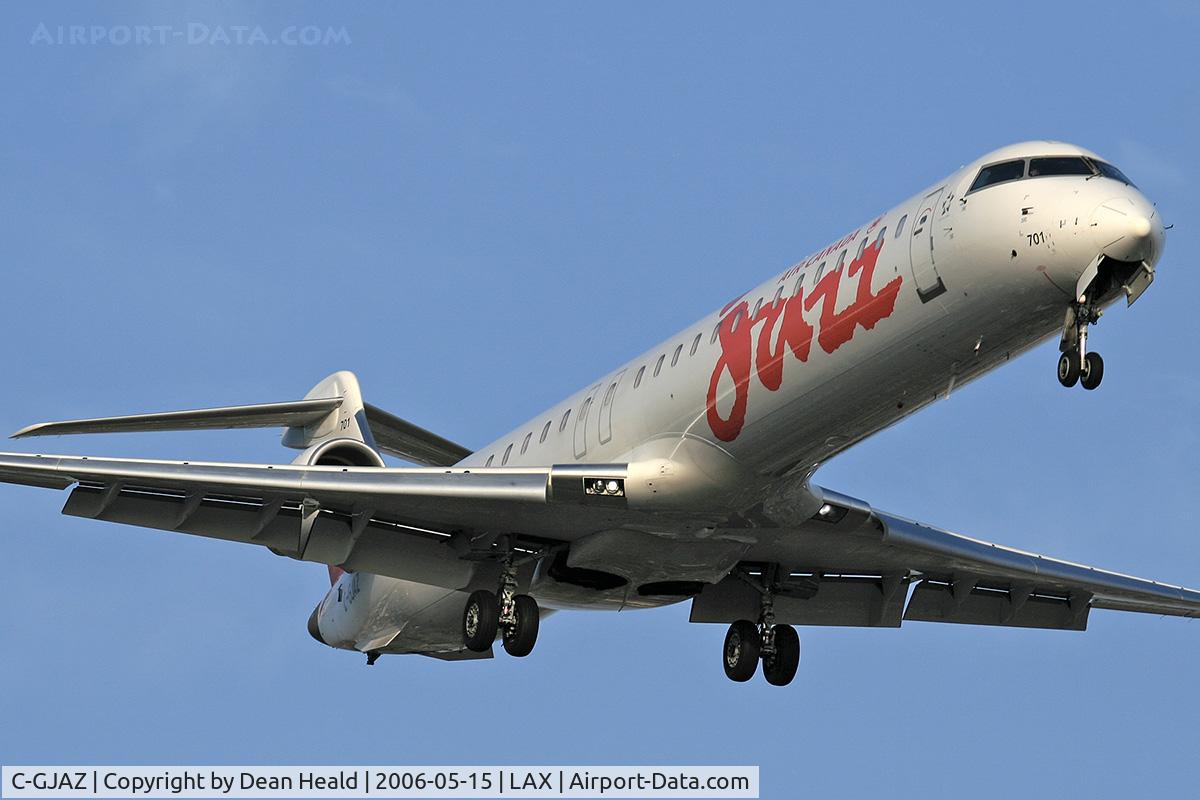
column 1109, row 171
column 1058, row 165
column 998, row 173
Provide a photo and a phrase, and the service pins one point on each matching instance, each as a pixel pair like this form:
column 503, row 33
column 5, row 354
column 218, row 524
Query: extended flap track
column 879, row 600
column 1018, row 605
column 275, row 522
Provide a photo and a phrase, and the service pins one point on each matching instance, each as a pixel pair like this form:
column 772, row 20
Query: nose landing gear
column 1076, row 364
column 747, row 643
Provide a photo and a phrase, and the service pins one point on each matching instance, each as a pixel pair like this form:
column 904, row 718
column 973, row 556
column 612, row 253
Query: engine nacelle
column 340, row 453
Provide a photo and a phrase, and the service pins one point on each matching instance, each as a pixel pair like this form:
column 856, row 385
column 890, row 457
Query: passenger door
column 606, row 408
column 920, row 249
column 581, row 421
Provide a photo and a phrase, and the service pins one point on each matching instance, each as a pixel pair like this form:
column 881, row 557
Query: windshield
column 1058, row 165
column 1043, row 167
column 1109, row 171
column 998, row 173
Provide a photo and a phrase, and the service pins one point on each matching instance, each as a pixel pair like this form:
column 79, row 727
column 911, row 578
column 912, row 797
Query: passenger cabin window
column 841, row 262
column 562, row 426
column 900, row 225
column 491, row 458
column 778, row 296
column 659, row 363
column 1058, row 165
column 695, row 345
column 507, row 453
column 545, row 431
column 862, row 246
column 675, row 358
column 757, row 308
column 879, row 238
column 716, row 330
column 820, row 272
column 799, row 284
column 998, row 173
column 637, row 379
column 525, row 444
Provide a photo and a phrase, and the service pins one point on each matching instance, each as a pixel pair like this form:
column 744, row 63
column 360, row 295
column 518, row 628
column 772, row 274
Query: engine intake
column 340, row 453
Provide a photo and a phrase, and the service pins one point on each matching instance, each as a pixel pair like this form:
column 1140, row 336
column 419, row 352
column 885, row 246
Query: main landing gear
column 747, row 643
column 1076, row 364
column 514, row 616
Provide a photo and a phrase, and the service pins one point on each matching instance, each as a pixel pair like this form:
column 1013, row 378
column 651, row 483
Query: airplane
column 686, row 474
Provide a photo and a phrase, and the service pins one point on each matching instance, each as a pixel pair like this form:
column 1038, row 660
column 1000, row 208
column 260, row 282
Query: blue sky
column 478, row 209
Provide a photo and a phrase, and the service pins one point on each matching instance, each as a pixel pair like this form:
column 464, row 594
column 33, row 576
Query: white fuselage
column 1008, row 256
column 932, row 293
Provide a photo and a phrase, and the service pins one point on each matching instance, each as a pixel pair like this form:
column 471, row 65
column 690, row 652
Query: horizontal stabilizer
column 297, row 413
column 334, row 408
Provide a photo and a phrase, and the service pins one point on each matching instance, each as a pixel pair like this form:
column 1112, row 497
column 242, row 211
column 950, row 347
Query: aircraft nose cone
column 1128, row 229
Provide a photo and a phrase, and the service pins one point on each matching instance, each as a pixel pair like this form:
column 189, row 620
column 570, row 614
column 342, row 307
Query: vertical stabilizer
column 347, row 421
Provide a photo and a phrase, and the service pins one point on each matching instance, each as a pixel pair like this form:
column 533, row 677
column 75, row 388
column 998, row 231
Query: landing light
column 830, row 513
column 608, row 487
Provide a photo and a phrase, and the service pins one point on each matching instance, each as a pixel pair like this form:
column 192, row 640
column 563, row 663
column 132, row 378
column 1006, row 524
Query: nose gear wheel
column 1076, row 364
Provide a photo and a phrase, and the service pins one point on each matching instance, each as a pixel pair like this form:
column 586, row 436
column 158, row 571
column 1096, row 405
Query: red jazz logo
column 739, row 351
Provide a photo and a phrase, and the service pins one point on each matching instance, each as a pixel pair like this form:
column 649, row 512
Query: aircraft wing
column 861, row 567
column 430, row 525
column 849, row 564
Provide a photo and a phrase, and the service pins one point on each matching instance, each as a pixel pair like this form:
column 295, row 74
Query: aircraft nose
column 1128, row 228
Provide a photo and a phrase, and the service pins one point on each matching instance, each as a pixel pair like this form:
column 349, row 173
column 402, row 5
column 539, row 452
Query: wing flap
column 941, row 554
column 370, row 543
column 934, row 601
column 863, row 567
column 842, row 600
column 425, row 524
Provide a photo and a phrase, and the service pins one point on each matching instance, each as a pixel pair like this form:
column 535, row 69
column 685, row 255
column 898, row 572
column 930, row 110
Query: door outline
column 920, row 249
column 606, row 407
column 585, row 411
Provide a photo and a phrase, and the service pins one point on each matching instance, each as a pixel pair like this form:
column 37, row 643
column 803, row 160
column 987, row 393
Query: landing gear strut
column 514, row 616
column 1076, row 364
column 747, row 643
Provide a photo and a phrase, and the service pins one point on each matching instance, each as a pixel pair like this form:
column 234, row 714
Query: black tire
column 740, row 654
column 520, row 638
column 780, row 668
column 481, row 618
column 1068, row 368
column 1093, row 371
